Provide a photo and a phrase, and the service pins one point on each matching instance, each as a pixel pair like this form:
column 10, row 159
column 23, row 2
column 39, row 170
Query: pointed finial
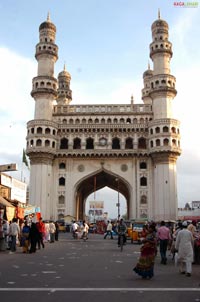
column 64, row 68
column 48, row 17
column 158, row 13
column 148, row 65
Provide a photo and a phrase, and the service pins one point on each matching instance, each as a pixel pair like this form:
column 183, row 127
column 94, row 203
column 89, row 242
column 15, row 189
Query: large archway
column 97, row 181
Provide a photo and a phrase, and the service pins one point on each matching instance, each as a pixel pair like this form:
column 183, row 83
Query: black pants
column 163, row 250
column 124, row 239
column 108, row 233
column 40, row 240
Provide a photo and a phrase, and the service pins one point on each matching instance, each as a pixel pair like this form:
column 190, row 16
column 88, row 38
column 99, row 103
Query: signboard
column 18, row 190
column 196, row 204
column 96, row 208
column 8, row 167
column 6, row 180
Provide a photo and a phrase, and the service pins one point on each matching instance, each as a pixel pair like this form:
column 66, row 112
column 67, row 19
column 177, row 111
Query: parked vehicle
column 137, row 229
column 61, row 226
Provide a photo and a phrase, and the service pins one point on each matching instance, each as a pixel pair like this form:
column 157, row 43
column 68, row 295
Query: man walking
column 14, row 231
column 109, row 230
column 163, row 236
column 184, row 246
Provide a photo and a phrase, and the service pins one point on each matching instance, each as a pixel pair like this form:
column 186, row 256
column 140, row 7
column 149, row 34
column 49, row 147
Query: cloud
column 16, row 104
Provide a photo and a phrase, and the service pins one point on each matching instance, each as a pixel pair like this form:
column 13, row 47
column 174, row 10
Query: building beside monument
column 77, row 149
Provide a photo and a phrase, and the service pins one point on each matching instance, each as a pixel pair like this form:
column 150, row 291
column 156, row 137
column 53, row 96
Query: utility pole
column 118, row 202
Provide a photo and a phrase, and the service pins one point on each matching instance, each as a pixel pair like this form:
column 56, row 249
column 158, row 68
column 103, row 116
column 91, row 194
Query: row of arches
column 115, row 120
column 50, row 83
column 164, row 129
column 164, row 142
column 115, row 143
column 156, row 130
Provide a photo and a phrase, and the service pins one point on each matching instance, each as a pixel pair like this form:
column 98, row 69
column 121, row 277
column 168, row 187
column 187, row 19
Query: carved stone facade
column 131, row 148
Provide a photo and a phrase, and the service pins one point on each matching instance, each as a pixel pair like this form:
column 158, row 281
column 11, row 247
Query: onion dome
column 64, row 74
column 148, row 73
column 47, row 24
column 159, row 26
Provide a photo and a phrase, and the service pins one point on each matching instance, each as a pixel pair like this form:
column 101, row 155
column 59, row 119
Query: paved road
column 91, row 270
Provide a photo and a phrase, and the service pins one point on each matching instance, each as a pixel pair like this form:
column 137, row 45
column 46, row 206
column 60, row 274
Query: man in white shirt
column 52, row 229
column 75, row 230
column 109, row 230
column 14, row 231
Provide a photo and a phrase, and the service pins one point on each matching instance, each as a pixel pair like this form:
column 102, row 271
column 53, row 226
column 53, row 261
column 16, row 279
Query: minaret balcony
column 44, row 85
column 46, row 49
column 160, row 47
column 168, row 149
column 163, row 82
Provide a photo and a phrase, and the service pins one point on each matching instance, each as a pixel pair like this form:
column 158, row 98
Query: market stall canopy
column 4, row 202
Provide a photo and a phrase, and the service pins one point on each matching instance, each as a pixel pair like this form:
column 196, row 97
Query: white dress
column 184, row 245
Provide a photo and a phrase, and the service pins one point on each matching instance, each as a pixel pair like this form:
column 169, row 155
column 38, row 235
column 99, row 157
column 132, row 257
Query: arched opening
column 64, row 143
column 115, row 143
column 102, row 180
column 77, row 143
column 129, row 143
column 89, row 143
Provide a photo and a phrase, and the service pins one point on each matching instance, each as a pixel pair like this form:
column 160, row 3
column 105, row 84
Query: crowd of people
column 182, row 241
column 29, row 235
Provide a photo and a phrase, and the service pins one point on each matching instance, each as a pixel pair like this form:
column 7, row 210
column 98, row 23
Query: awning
column 4, row 202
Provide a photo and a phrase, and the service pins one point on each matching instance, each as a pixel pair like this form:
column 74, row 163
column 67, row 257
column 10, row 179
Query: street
column 91, row 270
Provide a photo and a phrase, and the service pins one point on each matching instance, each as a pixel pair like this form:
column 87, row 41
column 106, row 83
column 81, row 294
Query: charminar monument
column 77, row 149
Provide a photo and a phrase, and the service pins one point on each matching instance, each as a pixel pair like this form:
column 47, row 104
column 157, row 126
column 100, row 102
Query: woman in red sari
column 145, row 265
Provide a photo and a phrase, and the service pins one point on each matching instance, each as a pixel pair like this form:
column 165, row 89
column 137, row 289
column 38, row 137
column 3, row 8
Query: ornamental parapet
column 102, row 153
column 105, row 126
column 164, row 121
column 42, row 122
column 101, row 109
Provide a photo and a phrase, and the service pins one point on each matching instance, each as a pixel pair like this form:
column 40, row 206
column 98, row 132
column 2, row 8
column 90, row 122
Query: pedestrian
column 121, row 230
column 184, row 246
column 25, row 237
column 192, row 228
column 34, row 237
column 85, row 230
column 109, row 230
column 14, row 234
column 41, row 230
column 57, row 230
column 75, row 230
column 164, row 236
column 46, row 232
column 145, row 265
column 52, row 229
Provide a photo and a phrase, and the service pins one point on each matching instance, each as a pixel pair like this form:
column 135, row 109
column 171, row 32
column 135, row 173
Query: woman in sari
column 145, row 265
column 25, row 240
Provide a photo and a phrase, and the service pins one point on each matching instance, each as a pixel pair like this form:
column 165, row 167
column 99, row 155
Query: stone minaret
column 41, row 138
column 164, row 134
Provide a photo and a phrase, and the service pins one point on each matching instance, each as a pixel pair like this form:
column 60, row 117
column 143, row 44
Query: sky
column 105, row 46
